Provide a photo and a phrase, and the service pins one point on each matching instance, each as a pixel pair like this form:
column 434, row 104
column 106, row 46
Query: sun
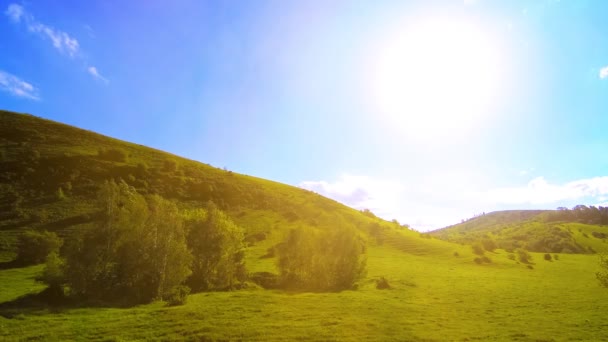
column 437, row 76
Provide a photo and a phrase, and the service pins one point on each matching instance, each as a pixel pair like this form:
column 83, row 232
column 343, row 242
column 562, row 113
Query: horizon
column 424, row 113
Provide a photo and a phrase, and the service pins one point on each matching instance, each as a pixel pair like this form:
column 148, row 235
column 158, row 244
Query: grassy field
column 438, row 292
column 434, row 298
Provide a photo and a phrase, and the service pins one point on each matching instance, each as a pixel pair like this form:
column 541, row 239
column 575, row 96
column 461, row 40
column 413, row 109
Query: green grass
column 438, row 292
column 433, row 298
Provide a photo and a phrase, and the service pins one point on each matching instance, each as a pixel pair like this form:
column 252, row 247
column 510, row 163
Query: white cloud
column 14, row 12
column 17, row 87
column 95, row 73
column 539, row 191
column 604, row 72
column 60, row 39
column 440, row 200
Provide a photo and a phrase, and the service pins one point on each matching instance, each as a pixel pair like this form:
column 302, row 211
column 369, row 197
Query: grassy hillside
column 534, row 230
column 50, row 174
column 49, row 177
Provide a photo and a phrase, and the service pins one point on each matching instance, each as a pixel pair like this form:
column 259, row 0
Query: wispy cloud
column 17, row 87
column 604, row 72
column 61, row 40
column 440, row 201
column 539, row 191
column 93, row 71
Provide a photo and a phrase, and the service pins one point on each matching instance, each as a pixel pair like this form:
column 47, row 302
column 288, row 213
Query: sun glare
column 437, row 76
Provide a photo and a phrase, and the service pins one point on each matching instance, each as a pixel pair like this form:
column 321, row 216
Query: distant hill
column 50, row 174
column 554, row 231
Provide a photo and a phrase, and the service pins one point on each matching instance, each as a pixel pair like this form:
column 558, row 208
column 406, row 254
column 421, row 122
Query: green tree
column 218, row 250
column 53, row 274
column 602, row 275
column 137, row 252
column 35, row 246
column 321, row 260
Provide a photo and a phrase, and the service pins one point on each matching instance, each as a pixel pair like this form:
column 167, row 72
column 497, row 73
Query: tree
column 602, row 275
column 218, row 251
column 321, row 260
column 35, row 246
column 137, row 252
column 53, row 275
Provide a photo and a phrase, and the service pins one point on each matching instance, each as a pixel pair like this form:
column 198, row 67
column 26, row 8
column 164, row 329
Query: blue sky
column 425, row 111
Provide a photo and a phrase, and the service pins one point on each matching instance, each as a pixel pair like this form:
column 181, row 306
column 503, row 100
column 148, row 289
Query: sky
column 428, row 112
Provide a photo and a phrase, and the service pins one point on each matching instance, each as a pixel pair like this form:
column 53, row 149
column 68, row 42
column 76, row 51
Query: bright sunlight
column 436, row 76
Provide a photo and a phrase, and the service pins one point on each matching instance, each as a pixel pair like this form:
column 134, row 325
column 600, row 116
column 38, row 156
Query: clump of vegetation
column 602, row 275
column 178, row 295
column 382, row 284
column 321, row 260
column 456, row 254
column 137, row 252
column 477, row 248
column 523, row 256
column 482, row 260
column 33, row 247
column 217, row 245
column 548, row 257
column 488, row 244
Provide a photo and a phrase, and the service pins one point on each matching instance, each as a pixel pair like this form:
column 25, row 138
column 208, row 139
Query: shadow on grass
column 7, row 265
column 53, row 301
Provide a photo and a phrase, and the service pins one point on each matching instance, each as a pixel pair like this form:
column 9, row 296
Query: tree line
column 144, row 248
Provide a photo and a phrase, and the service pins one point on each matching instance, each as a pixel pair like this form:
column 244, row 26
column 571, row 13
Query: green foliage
column 137, row 252
column 548, row 257
column 60, row 194
column 178, row 295
column 34, row 246
column 477, row 248
column 488, row 244
column 217, row 246
column 382, row 284
column 321, row 260
column 523, row 256
column 602, row 275
column 53, row 274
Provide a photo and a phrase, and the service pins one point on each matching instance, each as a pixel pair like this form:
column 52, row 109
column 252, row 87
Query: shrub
column 266, row 280
column 555, row 256
column 456, row 254
column 321, row 260
column 523, row 255
column 548, row 257
column 34, row 246
column 382, row 284
column 511, row 256
column 477, row 248
column 602, row 275
column 60, row 194
column 489, row 245
column 53, row 275
column 178, row 295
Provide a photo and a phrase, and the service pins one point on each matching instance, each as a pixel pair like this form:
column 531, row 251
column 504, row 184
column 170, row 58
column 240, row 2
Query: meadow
column 50, row 174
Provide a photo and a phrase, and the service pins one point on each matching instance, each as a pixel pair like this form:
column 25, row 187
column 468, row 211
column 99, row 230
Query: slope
column 548, row 231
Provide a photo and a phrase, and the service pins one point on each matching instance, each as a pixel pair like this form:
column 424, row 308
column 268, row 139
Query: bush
column 523, row 256
column 489, row 245
column 482, row 260
column 266, row 280
column 321, row 260
column 511, row 256
column 548, row 257
column 178, row 295
column 602, row 275
column 53, row 275
column 382, row 284
column 456, row 254
column 477, row 248
column 33, row 247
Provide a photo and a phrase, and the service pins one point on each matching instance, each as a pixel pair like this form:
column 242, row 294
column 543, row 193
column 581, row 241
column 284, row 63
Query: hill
column 548, row 231
column 49, row 177
column 50, row 174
